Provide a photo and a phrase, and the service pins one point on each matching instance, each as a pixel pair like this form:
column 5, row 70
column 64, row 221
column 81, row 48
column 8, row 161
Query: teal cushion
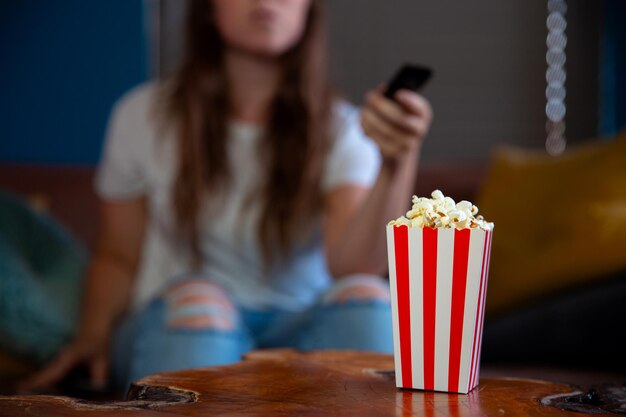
column 41, row 269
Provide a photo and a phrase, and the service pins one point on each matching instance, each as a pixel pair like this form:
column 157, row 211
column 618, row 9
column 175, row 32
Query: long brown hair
column 295, row 141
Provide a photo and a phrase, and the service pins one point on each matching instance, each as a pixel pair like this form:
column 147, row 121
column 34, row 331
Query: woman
column 247, row 180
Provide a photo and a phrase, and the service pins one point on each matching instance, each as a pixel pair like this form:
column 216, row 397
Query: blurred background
column 529, row 99
column 65, row 62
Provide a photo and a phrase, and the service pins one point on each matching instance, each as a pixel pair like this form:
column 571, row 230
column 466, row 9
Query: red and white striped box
column 438, row 283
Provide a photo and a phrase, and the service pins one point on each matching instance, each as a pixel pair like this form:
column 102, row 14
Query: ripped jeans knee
column 192, row 323
column 359, row 288
column 199, row 304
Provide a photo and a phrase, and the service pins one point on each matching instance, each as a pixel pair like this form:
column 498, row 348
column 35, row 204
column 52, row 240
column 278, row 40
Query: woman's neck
column 252, row 81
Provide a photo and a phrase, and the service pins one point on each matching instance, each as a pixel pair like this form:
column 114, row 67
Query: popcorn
column 400, row 221
column 442, row 212
column 459, row 218
column 417, row 222
column 449, row 204
column 437, row 195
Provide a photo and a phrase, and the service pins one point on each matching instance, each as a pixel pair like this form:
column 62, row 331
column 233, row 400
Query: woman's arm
column 106, row 294
column 114, row 264
column 355, row 217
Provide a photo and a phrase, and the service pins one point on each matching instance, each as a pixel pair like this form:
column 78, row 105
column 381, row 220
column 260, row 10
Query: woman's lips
column 264, row 16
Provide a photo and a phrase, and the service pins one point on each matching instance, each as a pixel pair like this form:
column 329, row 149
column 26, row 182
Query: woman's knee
column 192, row 323
column 359, row 288
column 199, row 303
column 354, row 314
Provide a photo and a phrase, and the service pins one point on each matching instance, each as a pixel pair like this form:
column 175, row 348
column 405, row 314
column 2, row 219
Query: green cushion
column 41, row 268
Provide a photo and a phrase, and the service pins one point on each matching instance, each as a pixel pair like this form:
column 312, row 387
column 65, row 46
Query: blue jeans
column 194, row 323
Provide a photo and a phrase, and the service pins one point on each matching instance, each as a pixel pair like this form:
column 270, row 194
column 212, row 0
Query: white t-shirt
column 140, row 159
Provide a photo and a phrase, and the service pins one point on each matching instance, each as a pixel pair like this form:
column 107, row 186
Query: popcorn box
column 438, row 285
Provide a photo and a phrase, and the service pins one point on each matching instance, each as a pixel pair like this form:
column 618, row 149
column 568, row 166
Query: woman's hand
column 397, row 127
column 92, row 352
column 107, row 293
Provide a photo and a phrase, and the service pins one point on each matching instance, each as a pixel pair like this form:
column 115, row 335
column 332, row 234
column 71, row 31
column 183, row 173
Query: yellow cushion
column 559, row 221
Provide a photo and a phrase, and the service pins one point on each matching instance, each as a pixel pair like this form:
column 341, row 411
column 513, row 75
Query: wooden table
column 289, row 383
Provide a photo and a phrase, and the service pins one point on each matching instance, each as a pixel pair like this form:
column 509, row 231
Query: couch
column 577, row 327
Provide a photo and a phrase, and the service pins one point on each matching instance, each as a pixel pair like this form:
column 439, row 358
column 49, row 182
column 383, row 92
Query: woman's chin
column 264, row 48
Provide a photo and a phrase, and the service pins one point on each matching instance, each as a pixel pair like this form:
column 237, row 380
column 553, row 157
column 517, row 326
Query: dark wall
column 488, row 58
column 584, row 21
column 64, row 63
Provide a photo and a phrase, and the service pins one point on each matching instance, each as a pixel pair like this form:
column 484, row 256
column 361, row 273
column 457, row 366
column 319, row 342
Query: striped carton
column 438, row 285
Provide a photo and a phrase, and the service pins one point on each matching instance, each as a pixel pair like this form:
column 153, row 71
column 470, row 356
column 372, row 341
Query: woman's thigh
column 354, row 314
column 192, row 323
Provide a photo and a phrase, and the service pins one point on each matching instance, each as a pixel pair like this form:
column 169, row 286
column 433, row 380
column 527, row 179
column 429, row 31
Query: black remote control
column 410, row 77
